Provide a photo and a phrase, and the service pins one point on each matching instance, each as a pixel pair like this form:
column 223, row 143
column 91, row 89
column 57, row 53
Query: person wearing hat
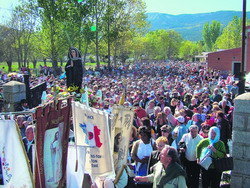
column 181, row 129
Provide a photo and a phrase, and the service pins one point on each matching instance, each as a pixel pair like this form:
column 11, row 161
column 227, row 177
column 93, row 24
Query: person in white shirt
column 188, row 143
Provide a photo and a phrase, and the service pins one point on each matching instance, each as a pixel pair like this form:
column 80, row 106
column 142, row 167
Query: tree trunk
column 19, row 51
column 85, row 54
column 52, row 44
column 97, row 51
column 109, row 61
column 25, row 59
column 54, row 63
column 115, row 52
column 34, row 63
column 19, row 60
column 97, row 41
column 109, row 43
column 9, row 63
column 61, row 62
column 45, row 61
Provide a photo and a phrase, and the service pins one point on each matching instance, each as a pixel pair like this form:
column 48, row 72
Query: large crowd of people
column 180, row 109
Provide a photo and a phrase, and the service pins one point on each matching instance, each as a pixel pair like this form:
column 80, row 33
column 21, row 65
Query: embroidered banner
column 91, row 129
column 120, row 135
column 53, row 123
column 14, row 163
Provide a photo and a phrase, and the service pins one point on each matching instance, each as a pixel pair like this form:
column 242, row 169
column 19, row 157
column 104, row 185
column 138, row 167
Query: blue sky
column 193, row 6
column 163, row 6
column 5, row 9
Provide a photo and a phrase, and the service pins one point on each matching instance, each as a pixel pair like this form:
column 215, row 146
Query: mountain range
column 190, row 26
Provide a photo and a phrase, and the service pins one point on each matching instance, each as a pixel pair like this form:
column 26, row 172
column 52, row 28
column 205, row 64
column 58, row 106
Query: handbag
column 206, row 161
column 223, row 164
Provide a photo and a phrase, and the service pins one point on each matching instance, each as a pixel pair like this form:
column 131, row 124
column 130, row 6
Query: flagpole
column 242, row 68
column 74, row 125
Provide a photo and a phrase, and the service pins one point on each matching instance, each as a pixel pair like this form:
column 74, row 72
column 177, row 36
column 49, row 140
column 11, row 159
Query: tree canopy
column 110, row 30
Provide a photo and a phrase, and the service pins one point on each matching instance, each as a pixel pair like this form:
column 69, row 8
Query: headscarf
column 205, row 150
column 217, row 137
column 78, row 54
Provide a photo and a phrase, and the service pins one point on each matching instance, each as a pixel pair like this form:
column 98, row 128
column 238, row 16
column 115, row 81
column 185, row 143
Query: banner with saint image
column 53, row 123
column 120, row 135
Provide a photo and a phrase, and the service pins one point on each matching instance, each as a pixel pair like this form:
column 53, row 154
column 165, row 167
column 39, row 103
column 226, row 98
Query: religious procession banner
column 53, row 123
column 75, row 175
column 14, row 168
column 120, row 134
column 92, row 131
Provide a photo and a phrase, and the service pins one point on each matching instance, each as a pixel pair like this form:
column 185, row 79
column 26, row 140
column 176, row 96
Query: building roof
column 228, row 50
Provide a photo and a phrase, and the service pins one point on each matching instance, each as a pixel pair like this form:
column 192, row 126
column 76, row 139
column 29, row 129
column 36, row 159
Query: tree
column 231, row 35
column 162, row 44
column 7, row 48
column 138, row 48
column 210, row 33
column 122, row 20
column 175, row 40
column 189, row 49
column 23, row 24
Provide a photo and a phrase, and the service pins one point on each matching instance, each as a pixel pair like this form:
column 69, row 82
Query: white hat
column 180, row 119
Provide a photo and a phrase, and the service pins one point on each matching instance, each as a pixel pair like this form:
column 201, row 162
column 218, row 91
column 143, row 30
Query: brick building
column 230, row 60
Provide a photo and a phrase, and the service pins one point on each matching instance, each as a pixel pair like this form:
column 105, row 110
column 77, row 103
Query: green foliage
column 119, row 30
column 231, row 35
column 210, row 34
column 92, row 59
column 123, row 20
column 189, row 49
column 159, row 44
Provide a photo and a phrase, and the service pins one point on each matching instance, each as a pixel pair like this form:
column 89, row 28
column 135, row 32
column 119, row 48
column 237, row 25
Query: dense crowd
column 181, row 104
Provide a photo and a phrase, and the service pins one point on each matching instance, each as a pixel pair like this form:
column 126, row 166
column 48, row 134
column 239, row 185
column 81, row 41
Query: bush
column 91, row 59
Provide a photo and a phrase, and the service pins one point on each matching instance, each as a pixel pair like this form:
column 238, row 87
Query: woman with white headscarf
column 216, row 149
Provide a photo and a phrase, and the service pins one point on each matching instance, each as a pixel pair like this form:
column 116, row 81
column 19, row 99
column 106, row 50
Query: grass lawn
column 3, row 65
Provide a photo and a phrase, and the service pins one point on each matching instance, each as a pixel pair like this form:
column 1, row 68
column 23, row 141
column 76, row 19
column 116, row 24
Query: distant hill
column 190, row 25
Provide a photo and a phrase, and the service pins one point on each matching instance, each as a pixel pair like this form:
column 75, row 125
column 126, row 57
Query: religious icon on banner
column 121, row 130
column 53, row 122
column 53, row 155
column 118, row 143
